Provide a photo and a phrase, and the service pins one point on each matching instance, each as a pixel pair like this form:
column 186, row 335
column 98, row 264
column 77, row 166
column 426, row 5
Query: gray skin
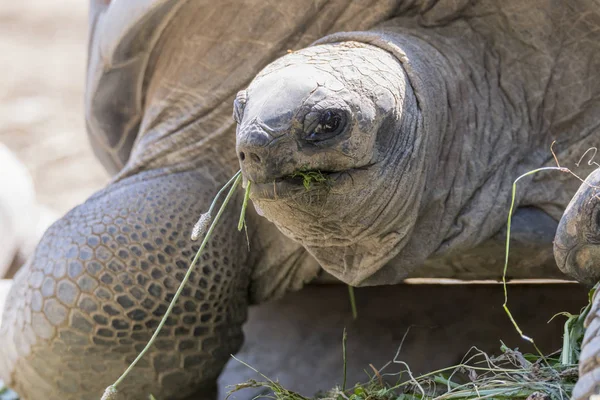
column 443, row 104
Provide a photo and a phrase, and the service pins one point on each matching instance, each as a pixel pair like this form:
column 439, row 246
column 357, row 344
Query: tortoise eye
column 330, row 124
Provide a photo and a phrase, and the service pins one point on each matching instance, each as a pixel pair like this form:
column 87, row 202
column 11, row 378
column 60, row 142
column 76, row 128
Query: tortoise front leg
column 100, row 281
column 577, row 252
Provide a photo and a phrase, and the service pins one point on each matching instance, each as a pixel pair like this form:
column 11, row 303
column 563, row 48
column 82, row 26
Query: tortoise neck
column 460, row 116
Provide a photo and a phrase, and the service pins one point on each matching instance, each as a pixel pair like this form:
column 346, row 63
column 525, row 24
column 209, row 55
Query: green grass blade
column 242, row 221
column 352, row 302
column 507, row 252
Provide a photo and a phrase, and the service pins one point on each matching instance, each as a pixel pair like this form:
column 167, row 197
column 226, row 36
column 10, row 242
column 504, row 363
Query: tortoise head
column 321, row 137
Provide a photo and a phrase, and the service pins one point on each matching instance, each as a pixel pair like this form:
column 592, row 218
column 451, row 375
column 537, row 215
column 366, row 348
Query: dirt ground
column 42, row 65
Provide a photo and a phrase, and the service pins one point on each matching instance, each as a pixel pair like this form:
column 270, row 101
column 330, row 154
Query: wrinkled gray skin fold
column 417, row 114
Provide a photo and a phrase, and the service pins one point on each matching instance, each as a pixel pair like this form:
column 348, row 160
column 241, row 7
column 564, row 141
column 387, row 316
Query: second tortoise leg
column 577, row 252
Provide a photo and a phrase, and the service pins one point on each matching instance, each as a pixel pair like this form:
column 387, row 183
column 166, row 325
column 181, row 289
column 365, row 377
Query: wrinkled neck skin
column 376, row 222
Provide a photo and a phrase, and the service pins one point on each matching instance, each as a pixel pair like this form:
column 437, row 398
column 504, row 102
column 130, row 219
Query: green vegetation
column 511, row 375
column 309, row 178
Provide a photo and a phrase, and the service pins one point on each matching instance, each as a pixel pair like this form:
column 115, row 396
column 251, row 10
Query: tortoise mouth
column 311, row 186
column 297, row 184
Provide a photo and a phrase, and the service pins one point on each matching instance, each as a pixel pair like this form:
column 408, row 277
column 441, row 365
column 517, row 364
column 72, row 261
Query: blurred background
column 43, row 47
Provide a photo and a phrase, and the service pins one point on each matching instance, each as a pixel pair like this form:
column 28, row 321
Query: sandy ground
column 42, row 68
column 297, row 340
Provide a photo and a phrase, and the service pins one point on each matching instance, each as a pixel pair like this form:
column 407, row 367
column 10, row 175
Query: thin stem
column 242, row 221
column 566, row 356
column 236, row 182
column 510, row 213
column 352, row 302
column 344, row 339
column 222, row 190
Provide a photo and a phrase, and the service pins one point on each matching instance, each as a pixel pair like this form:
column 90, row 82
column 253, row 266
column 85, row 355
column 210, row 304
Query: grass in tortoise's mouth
column 310, row 178
column 294, row 184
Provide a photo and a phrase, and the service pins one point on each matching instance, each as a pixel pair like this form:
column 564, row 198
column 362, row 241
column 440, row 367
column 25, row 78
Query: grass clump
column 511, row 375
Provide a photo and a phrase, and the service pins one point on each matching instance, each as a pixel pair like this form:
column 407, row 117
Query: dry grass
column 510, row 375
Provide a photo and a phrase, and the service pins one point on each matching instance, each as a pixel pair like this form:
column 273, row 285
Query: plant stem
column 344, row 339
column 510, row 213
column 352, row 302
column 236, row 182
column 222, row 190
column 242, row 221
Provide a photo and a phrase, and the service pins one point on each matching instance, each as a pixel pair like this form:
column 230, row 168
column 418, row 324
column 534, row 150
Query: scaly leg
column 102, row 277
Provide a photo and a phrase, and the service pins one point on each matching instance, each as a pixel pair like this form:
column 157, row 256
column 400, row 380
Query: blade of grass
column 507, row 252
column 344, row 339
column 234, row 186
column 242, row 221
column 352, row 302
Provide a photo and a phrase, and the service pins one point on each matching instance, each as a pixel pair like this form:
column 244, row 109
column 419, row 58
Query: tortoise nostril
column 253, row 157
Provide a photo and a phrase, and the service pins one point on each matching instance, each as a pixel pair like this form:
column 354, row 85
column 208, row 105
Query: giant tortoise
column 416, row 116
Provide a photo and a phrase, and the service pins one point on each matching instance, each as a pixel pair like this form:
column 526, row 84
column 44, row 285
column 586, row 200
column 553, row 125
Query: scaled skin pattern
column 419, row 115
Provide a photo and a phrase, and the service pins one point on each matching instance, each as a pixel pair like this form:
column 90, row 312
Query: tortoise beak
column 264, row 157
column 253, row 153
